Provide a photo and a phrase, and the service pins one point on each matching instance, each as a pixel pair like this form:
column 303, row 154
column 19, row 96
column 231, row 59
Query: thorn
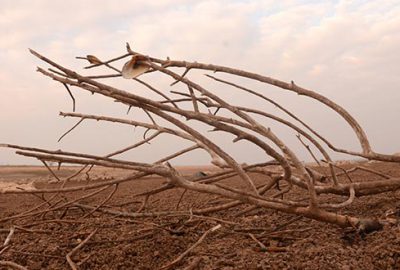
column 129, row 108
column 128, row 48
column 238, row 138
column 168, row 165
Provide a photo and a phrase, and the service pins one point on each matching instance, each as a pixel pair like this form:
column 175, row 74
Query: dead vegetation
column 283, row 183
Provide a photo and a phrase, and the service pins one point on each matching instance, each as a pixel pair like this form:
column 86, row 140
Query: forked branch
column 282, row 175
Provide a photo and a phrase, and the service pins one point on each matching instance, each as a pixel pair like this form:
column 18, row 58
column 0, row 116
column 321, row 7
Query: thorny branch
column 283, row 174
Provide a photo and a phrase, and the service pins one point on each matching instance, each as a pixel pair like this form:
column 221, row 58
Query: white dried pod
column 135, row 67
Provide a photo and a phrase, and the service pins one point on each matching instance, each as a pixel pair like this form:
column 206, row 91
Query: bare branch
column 201, row 239
column 308, row 149
column 71, row 129
column 9, row 237
column 72, row 97
column 271, row 185
column 194, row 99
column 76, row 249
column 12, row 265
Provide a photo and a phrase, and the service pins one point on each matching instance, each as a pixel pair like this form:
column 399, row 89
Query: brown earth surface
column 43, row 241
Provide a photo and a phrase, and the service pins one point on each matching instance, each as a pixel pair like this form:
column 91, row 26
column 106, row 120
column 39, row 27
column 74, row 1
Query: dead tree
column 283, row 168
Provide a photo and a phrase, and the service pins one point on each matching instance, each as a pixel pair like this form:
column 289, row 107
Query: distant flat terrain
column 40, row 173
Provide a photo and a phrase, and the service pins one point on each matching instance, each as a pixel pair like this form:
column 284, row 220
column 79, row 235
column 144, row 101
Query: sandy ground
column 149, row 243
column 25, row 177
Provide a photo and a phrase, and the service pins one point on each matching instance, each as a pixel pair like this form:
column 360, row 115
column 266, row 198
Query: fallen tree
column 283, row 171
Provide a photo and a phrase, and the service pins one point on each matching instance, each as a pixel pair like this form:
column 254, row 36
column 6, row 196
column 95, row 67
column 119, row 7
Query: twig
column 194, row 99
column 105, row 76
column 157, row 91
column 180, row 199
column 179, row 153
column 72, row 97
column 144, row 133
column 345, row 203
column 201, row 100
column 194, row 264
column 340, row 168
column 262, row 246
column 13, row 265
column 58, row 72
column 143, row 205
column 10, row 235
column 135, row 145
column 4, row 249
column 84, row 260
column 361, row 168
column 108, row 61
column 74, row 250
column 151, row 118
column 370, row 171
column 183, row 75
column 77, row 124
column 55, row 207
column 180, row 257
column 113, row 68
column 216, row 111
column 103, row 202
column 51, row 171
column 308, row 149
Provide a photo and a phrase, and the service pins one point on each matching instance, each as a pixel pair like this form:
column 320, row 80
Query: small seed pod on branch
column 93, row 59
column 135, row 67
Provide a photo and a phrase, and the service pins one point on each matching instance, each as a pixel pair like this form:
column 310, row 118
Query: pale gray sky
column 345, row 50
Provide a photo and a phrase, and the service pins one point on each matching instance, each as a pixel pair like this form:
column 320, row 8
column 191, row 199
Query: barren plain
column 260, row 239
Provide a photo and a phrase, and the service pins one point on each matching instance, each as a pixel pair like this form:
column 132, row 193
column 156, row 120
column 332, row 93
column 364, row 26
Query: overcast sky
column 345, row 50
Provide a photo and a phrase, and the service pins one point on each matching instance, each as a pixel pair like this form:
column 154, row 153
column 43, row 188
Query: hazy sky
column 345, row 50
